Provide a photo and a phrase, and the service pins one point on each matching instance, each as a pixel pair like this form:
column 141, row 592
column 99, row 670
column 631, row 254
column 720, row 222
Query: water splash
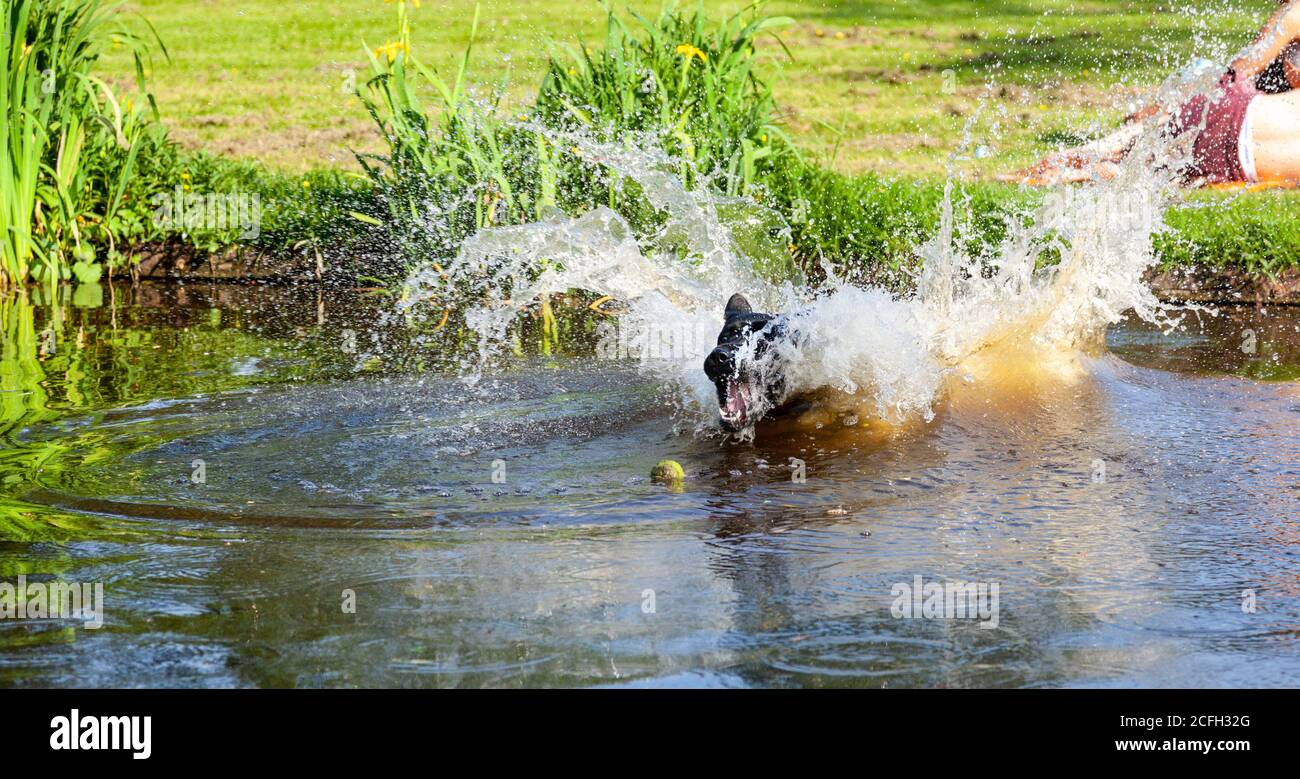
column 1039, row 301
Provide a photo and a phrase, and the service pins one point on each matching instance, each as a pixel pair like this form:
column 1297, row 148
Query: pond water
column 275, row 488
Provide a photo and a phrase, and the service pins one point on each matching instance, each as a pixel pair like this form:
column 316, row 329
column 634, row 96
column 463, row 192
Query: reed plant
column 453, row 156
column 68, row 143
column 459, row 162
column 691, row 83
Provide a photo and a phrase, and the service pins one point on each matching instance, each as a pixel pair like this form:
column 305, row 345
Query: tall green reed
column 691, row 83
column 457, row 161
column 68, row 143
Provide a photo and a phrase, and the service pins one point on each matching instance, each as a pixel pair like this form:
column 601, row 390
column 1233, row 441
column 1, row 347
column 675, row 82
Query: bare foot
column 1092, row 161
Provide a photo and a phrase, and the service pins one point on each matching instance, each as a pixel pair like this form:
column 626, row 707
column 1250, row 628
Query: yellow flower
column 688, row 51
column 839, row 36
column 306, row 184
column 391, row 50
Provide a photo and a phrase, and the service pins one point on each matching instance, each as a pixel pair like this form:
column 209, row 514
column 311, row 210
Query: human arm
column 1281, row 29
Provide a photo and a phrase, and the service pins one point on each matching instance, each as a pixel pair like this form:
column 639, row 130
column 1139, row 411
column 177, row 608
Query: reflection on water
column 1122, row 514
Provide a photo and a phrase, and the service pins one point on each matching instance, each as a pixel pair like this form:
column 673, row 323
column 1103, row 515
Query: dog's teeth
column 737, row 407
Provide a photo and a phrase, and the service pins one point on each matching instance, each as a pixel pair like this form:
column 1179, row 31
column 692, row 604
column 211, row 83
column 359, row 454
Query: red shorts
column 1216, row 151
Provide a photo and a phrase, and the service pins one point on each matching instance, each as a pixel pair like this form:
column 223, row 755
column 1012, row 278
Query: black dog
column 745, row 393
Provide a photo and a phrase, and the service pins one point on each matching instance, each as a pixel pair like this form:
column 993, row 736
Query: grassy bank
column 711, row 88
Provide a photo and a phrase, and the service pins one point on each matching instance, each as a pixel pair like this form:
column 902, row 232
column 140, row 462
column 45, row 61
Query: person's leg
column 1097, row 159
column 1275, row 125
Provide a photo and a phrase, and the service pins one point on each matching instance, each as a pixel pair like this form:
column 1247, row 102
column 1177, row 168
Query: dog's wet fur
column 739, row 386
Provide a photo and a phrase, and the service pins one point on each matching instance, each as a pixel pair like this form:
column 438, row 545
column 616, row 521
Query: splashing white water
column 893, row 356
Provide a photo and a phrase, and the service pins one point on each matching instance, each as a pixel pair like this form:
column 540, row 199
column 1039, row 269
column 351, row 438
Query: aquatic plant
column 461, row 162
column 452, row 156
column 68, row 143
column 690, row 83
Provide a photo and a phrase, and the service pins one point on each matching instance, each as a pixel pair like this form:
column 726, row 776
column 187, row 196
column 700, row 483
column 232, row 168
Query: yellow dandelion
column 839, row 36
column 821, row 33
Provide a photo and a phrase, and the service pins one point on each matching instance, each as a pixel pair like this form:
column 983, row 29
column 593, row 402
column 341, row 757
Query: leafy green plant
column 457, row 163
column 453, row 155
column 68, row 143
column 691, row 84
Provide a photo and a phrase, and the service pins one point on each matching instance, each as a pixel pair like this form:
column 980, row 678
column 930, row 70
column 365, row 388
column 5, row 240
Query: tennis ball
column 667, row 472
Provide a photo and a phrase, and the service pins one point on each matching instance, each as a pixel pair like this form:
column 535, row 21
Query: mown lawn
column 880, row 86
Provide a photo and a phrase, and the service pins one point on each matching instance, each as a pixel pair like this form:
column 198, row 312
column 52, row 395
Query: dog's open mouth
column 735, row 411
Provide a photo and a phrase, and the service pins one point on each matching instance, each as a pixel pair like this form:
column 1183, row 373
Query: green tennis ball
column 667, row 472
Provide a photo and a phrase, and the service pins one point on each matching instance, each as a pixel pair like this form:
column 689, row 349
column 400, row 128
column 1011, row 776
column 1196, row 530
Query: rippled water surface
column 1122, row 515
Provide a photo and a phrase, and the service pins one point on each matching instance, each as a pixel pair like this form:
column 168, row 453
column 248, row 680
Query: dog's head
column 745, row 391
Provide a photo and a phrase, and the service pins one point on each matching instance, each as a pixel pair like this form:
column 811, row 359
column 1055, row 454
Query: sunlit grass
column 265, row 79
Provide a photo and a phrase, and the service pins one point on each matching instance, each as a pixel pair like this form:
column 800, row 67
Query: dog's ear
column 737, row 304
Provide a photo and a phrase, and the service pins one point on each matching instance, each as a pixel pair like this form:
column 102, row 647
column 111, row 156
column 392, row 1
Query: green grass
column 262, row 79
column 1258, row 232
